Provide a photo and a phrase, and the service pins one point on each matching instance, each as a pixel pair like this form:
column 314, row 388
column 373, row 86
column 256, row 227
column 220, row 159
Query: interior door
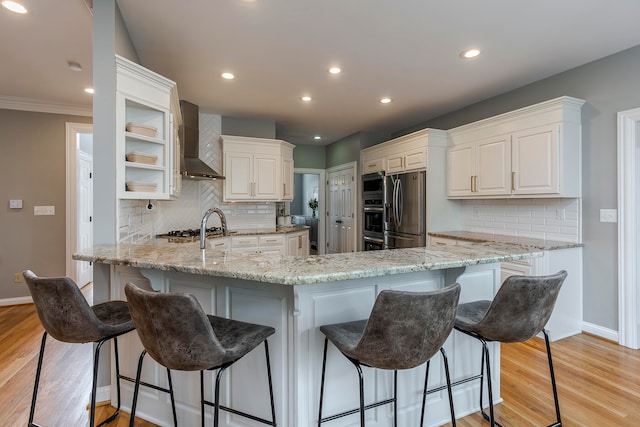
column 84, row 269
column 341, row 233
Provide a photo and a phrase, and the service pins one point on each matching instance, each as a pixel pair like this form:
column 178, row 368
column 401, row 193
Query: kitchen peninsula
column 297, row 295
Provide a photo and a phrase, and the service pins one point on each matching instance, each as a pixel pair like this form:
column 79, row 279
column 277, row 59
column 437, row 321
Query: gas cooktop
column 188, row 235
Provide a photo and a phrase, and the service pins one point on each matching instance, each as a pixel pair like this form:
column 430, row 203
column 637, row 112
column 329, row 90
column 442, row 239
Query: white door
column 85, row 216
column 341, row 231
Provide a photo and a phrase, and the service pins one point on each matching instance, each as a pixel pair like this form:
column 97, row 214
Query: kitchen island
column 296, row 295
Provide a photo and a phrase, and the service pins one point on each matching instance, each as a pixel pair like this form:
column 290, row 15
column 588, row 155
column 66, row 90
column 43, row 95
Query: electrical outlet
column 17, row 277
column 608, row 215
column 44, row 210
column 15, row 204
column 560, row 215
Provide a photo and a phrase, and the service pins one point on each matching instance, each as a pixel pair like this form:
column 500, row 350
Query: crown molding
column 41, row 106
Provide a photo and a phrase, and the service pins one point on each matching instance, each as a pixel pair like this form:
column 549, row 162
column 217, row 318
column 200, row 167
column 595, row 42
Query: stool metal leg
column 273, row 405
column 37, row 381
column 173, row 401
column 395, row 398
column 324, row 366
column 202, row 397
column 424, row 393
column 553, row 380
column 445, row 362
column 136, row 388
column 115, row 414
column 491, row 418
column 96, row 360
column 216, row 406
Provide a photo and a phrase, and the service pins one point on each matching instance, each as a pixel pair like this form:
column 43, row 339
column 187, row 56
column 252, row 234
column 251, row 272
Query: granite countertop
column 475, row 237
column 289, row 270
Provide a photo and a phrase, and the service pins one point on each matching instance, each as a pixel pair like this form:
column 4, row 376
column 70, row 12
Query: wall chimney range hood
column 191, row 166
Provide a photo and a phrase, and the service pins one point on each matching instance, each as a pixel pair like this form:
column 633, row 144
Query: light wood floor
column 598, row 381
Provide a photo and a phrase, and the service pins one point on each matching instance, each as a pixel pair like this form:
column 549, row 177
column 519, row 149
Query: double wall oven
column 373, row 191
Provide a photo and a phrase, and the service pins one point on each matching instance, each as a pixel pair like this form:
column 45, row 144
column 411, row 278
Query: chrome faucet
column 203, row 225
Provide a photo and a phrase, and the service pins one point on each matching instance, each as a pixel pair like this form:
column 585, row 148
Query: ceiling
column 280, row 50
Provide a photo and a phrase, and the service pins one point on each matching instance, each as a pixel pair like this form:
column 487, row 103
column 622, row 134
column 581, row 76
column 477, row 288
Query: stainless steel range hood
column 191, row 166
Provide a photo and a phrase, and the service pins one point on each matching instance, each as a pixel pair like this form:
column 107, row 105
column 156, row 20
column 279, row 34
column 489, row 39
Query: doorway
column 79, row 199
column 342, row 221
column 308, row 185
column 628, row 228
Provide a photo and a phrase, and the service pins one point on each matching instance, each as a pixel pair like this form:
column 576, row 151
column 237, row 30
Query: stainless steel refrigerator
column 405, row 209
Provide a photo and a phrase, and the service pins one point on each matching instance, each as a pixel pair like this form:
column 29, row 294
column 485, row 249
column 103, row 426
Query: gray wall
column 344, row 151
column 256, row 128
column 33, row 170
column 609, row 85
column 310, row 156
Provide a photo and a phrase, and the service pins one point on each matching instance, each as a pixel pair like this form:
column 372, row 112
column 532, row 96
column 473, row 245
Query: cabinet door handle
column 471, row 184
column 284, row 188
column 299, row 242
column 513, row 180
column 253, row 188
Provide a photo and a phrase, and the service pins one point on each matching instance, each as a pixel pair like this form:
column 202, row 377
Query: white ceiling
column 280, row 50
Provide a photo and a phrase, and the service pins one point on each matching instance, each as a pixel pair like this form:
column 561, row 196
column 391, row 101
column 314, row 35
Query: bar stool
column 176, row 332
column 404, row 330
column 519, row 311
column 67, row 317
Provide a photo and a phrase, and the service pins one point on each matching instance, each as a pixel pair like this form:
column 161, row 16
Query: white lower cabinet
column 292, row 244
column 298, row 243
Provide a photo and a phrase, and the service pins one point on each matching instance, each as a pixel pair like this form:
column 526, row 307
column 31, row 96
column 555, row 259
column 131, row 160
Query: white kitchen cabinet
column 406, row 153
column 481, row 168
column 298, row 243
column 287, row 178
column 220, row 243
column 257, row 169
column 145, row 129
column 263, row 243
column 535, row 160
column 531, row 152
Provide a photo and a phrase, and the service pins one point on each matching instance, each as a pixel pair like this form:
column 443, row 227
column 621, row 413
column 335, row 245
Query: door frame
column 628, row 229
column 357, row 233
column 71, row 153
column 322, row 218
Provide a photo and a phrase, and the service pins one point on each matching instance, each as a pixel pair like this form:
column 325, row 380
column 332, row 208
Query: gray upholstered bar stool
column 67, row 317
column 176, row 332
column 519, row 311
column 404, row 330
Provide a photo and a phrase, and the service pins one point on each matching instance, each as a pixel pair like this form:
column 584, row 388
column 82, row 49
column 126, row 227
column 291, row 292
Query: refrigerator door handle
column 400, row 237
column 400, row 203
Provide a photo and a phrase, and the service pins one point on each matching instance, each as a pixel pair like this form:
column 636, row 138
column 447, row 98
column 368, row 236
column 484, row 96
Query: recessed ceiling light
column 228, row 76
column 14, row 7
column 89, row 90
column 335, row 70
column 385, row 100
column 317, row 137
column 306, row 98
column 74, row 66
column 470, row 53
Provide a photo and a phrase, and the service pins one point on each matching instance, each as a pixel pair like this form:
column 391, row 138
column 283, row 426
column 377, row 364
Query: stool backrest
column 521, row 308
column 405, row 329
column 174, row 329
column 63, row 311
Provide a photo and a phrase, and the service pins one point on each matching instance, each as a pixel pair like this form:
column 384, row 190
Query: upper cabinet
column 402, row 154
column 146, row 144
column 531, row 152
column 257, row 169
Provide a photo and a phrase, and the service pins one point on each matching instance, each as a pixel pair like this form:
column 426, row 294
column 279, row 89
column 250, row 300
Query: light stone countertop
column 475, row 237
column 289, row 270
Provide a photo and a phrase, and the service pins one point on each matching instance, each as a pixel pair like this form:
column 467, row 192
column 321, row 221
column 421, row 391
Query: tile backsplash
column 554, row 219
column 138, row 224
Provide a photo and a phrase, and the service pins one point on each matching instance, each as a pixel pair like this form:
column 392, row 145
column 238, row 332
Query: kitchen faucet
column 203, row 225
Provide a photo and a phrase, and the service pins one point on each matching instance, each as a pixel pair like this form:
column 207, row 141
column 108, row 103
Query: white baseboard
column 600, row 331
column 103, row 394
column 16, row 301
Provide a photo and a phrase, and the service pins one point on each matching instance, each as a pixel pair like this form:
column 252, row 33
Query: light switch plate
column 15, row 204
column 44, row 210
column 608, row 215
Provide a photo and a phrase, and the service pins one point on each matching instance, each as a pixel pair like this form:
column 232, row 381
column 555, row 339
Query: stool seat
column 518, row 312
column 403, row 331
column 67, row 317
column 176, row 332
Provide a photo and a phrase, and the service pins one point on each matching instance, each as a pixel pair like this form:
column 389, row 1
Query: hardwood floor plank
column 598, row 381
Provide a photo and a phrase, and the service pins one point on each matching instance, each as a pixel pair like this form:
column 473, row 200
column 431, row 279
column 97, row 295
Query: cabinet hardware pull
column 471, row 184
column 513, row 180
column 284, row 188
